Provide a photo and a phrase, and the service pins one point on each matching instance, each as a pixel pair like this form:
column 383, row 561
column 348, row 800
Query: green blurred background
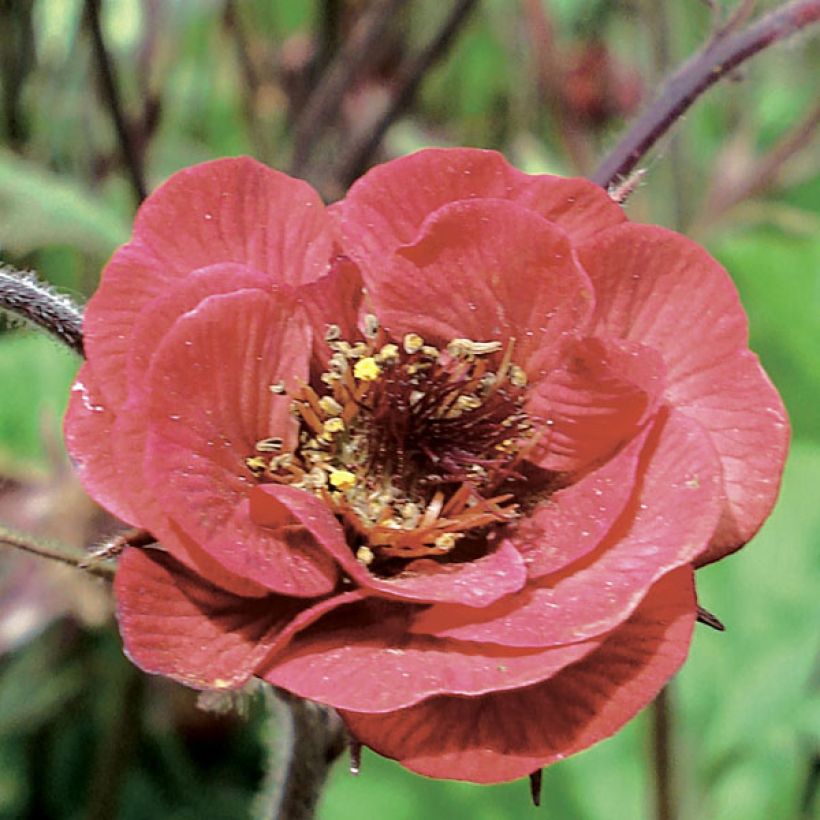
column 550, row 83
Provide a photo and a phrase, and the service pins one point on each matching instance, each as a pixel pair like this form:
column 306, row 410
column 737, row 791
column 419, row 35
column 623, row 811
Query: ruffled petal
column 88, row 426
column 363, row 658
column 229, row 210
column 486, row 270
column 668, row 520
column 598, row 399
column 388, row 205
column 660, row 289
column 507, row 735
column 574, row 520
column 175, row 623
column 210, row 402
column 473, row 584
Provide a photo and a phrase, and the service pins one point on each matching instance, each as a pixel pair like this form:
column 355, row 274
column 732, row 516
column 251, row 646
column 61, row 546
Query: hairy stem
column 53, row 551
column 716, row 59
column 303, row 739
column 108, row 80
column 25, row 297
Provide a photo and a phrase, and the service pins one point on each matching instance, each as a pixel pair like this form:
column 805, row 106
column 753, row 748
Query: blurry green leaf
column 39, row 207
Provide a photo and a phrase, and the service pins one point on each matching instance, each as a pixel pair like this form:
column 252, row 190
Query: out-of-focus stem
column 665, row 807
column 714, row 61
column 108, row 80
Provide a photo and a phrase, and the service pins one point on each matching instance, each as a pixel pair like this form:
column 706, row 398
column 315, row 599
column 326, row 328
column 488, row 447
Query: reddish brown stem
column 717, row 59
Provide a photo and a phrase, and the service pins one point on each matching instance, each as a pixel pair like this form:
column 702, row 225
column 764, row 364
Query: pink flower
column 442, row 456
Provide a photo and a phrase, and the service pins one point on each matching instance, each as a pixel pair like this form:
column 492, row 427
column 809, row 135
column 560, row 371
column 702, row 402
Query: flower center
column 409, row 445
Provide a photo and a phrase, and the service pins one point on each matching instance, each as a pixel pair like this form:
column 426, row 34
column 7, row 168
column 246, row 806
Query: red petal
column 211, row 402
column 597, row 400
column 660, row 289
column 486, row 270
column 88, row 427
column 670, row 517
column 365, row 659
column 229, row 210
column 176, row 624
column 387, row 206
column 507, row 735
column 473, row 584
column 574, row 520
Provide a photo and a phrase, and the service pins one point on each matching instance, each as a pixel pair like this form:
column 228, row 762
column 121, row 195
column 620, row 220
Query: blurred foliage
column 80, row 731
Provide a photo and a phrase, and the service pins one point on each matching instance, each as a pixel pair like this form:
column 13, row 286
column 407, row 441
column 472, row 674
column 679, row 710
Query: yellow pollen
column 446, row 541
column 342, row 479
column 388, row 353
column 517, row 376
column 413, row 342
column 367, row 369
column 334, row 425
column 365, row 555
column 330, row 406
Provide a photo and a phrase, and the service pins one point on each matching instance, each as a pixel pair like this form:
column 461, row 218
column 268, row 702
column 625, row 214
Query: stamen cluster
column 408, row 444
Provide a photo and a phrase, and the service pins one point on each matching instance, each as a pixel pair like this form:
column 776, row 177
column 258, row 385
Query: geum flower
column 443, row 456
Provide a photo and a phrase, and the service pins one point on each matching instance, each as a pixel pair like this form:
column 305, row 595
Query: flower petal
column 670, row 517
column 211, row 402
column 659, row 288
column 365, row 659
column 574, row 520
column 473, row 584
column 175, row 623
column 598, row 399
column 229, row 210
column 506, row 735
column 88, row 427
column 486, row 270
column 388, row 205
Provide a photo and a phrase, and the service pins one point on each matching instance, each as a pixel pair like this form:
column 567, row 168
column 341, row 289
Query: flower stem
column 720, row 56
column 661, row 752
column 53, row 551
column 302, row 739
column 24, row 296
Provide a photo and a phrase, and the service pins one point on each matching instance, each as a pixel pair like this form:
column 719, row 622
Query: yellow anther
column 270, row 445
column 367, row 370
column 342, row 479
column 330, row 406
column 468, row 402
column 277, row 388
column 388, row 353
column 446, row 541
column 365, row 555
column 333, row 426
column 257, row 464
column 333, row 333
column 412, row 343
column 467, row 347
column 430, row 352
column 517, row 376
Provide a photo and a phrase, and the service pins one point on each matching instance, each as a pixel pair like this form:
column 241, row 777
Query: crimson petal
column 473, row 584
column 660, row 289
column 507, row 735
column 210, row 403
column 671, row 515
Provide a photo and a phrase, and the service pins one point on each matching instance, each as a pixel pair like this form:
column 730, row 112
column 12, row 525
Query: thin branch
column 130, row 156
column 29, row 299
column 72, row 556
column 326, row 99
column 355, row 160
column 717, row 59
